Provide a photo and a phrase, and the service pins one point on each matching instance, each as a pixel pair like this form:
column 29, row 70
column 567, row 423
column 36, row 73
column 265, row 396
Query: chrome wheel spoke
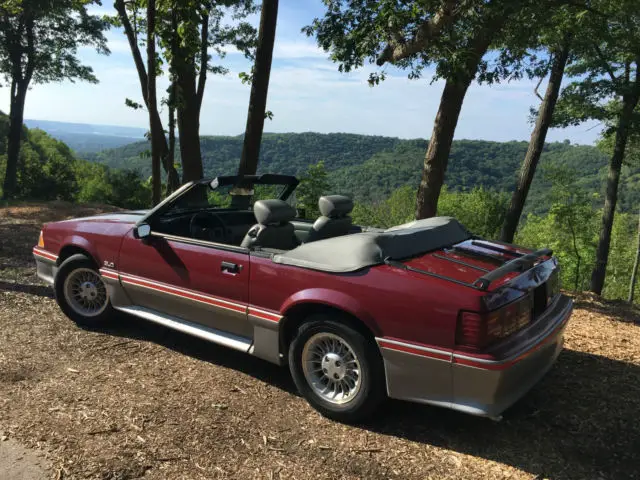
column 85, row 292
column 331, row 368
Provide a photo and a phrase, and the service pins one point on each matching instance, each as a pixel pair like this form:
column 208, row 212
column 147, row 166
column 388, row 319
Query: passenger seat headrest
column 333, row 206
column 268, row 212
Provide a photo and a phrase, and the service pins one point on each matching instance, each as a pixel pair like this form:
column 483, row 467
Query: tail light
column 41, row 240
column 476, row 331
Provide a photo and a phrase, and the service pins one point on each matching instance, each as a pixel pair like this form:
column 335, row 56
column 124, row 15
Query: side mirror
column 142, row 231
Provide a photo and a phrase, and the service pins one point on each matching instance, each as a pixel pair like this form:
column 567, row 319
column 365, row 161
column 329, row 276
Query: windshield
column 202, row 196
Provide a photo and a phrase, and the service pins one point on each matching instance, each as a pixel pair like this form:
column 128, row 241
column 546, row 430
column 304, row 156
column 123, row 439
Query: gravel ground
column 139, row 400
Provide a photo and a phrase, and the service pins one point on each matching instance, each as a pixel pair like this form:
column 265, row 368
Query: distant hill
column 371, row 167
column 83, row 137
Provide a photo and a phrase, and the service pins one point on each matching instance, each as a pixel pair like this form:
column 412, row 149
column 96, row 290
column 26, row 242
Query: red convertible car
column 424, row 312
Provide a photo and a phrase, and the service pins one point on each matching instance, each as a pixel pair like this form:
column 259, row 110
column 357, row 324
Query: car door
column 198, row 281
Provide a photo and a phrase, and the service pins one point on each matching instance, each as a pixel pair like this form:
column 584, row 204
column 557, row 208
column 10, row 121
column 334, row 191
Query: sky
column 306, row 93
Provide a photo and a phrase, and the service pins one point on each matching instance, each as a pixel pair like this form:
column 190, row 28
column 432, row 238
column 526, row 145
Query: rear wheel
column 337, row 369
column 81, row 292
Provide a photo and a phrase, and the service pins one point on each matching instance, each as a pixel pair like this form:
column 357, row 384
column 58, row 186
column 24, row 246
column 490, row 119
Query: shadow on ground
column 38, row 290
column 581, row 421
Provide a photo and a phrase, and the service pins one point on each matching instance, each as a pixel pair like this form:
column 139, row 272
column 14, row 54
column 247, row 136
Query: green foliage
column 49, row 170
column 481, row 211
column 569, row 228
column 312, row 186
column 39, row 39
column 371, row 168
column 399, row 208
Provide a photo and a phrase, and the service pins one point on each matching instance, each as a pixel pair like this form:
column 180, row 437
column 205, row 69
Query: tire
column 311, row 369
column 80, row 271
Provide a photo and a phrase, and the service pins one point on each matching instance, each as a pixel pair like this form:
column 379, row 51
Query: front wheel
column 337, row 369
column 81, row 292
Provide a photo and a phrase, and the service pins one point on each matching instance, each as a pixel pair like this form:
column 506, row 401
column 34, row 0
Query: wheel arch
column 71, row 249
column 318, row 301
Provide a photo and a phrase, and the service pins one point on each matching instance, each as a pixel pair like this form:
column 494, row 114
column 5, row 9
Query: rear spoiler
column 520, row 264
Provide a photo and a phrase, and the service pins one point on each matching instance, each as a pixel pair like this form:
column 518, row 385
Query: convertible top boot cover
column 353, row 252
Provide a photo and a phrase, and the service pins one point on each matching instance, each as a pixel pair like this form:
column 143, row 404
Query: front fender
column 331, row 298
column 79, row 241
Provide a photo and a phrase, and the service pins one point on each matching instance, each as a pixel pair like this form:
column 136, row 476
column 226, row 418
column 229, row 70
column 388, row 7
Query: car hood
column 128, row 217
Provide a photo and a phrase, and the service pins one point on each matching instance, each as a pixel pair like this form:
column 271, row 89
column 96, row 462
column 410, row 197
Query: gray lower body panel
column 46, row 270
column 254, row 331
column 471, row 384
column 197, row 330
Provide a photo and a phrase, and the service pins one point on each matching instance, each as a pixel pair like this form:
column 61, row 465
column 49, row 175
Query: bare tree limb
column 135, row 50
column 535, row 90
column 399, row 48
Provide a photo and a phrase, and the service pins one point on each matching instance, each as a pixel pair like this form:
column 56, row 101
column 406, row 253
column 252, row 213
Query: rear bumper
column 46, row 265
column 471, row 384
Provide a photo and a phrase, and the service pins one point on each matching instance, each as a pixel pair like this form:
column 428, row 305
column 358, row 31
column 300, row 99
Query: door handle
column 230, row 267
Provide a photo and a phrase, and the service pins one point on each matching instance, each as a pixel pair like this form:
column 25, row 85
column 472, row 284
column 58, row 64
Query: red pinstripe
column 415, row 351
column 44, row 254
column 273, row 317
column 199, row 297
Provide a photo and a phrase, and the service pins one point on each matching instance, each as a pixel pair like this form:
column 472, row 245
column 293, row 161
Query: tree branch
column 31, row 62
column 133, row 44
column 535, row 90
column 204, row 58
column 604, row 62
column 399, row 48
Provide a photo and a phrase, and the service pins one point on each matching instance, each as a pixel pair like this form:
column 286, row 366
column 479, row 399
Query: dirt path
column 19, row 463
column 138, row 400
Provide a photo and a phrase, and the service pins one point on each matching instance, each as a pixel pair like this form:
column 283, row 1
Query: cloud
column 299, row 49
column 306, row 93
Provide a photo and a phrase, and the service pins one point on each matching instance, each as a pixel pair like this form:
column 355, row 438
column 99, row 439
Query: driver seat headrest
column 273, row 212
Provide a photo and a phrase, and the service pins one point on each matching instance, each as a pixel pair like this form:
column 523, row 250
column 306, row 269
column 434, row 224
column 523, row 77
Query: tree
column 129, row 19
column 453, row 35
column 188, row 32
column 559, row 56
column 156, row 180
column 259, row 87
column 193, row 30
column 39, row 40
column 607, row 88
column 313, row 185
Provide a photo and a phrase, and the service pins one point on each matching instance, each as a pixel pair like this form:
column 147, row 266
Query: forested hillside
column 371, row 167
column 49, row 170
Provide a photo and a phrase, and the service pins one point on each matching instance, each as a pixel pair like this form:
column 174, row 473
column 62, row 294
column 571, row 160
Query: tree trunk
column 156, row 180
column 155, row 122
column 536, row 144
column 191, row 93
column 259, row 87
column 634, row 274
column 629, row 103
column 171, row 154
column 16, row 118
column 455, row 89
column 437, row 156
column 189, row 127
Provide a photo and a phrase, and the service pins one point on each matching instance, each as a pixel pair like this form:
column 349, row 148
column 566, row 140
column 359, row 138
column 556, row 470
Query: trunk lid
column 469, row 261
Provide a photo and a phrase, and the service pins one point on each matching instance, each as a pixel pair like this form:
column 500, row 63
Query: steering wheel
column 200, row 227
